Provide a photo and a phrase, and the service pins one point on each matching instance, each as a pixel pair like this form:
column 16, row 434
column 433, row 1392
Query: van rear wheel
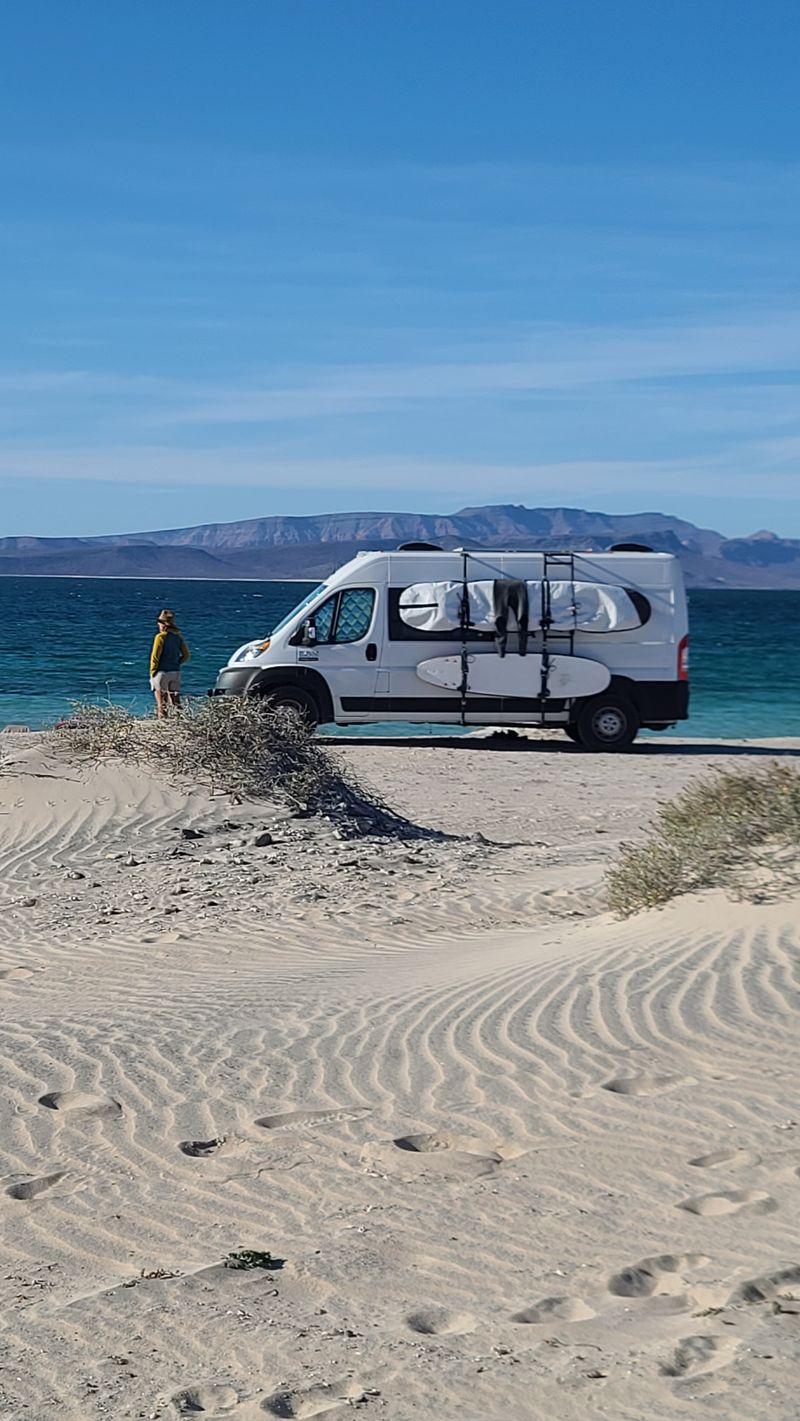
column 607, row 723
column 296, row 699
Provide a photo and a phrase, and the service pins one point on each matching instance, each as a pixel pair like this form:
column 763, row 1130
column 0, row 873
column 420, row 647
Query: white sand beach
column 519, row 1159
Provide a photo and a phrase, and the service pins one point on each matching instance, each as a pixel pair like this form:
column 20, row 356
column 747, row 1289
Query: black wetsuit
column 510, row 596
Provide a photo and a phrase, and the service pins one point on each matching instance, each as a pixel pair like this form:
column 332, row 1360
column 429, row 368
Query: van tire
column 607, row 723
column 294, row 698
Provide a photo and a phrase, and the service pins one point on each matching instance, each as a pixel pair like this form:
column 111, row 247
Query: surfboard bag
column 572, row 606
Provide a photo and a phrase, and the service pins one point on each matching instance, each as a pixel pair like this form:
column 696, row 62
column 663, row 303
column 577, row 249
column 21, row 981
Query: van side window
column 401, row 631
column 323, row 619
column 354, row 617
column 346, row 616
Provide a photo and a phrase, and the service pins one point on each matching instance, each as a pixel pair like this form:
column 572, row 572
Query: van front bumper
column 235, row 680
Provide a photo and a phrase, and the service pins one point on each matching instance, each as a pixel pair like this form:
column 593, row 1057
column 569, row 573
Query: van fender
column 312, row 681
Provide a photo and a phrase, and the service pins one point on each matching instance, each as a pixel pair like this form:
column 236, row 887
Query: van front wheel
column 294, row 698
column 607, row 723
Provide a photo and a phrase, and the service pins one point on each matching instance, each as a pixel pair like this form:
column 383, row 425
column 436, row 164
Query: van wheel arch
column 303, row 678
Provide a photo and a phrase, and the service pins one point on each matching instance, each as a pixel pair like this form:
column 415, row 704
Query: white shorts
column 166, row 681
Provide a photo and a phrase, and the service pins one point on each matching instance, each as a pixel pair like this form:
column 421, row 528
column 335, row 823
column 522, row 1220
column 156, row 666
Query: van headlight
column 249, row 652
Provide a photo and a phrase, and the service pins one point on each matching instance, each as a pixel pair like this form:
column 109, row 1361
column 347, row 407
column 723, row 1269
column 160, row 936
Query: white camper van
column 596, row 643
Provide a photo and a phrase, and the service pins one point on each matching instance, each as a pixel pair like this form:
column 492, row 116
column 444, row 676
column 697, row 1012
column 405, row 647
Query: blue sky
column 288, row 256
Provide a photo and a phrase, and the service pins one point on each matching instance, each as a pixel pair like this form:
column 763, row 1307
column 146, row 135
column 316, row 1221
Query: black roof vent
column 420, row 548
column 629, row 548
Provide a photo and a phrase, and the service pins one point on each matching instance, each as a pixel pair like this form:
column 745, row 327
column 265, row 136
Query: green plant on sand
column 722, row 832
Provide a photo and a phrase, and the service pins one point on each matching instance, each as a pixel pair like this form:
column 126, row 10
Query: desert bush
column 236, row 745
column 233, row 744
column 720, row 832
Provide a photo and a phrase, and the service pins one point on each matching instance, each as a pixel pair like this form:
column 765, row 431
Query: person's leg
column 161, row 707
column 175, row 691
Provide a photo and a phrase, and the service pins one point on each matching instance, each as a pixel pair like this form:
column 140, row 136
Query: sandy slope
column 519, row 1164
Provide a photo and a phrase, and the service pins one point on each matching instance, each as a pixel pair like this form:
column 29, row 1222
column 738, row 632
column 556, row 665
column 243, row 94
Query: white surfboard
column 513, row 675
column 571, row 606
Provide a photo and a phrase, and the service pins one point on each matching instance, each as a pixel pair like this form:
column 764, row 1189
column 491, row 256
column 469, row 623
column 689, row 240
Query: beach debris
column 264, row 840
column 200, row 1149
column 192, row 833
column 74, row 874
column 248, row 1258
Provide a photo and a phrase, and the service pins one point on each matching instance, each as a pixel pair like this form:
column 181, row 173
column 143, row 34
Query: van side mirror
column 308, row 633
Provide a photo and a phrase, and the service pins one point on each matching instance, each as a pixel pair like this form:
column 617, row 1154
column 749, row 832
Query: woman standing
column 166, row 659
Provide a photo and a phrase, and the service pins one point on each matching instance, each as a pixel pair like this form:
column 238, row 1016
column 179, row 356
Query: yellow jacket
column 169, row 651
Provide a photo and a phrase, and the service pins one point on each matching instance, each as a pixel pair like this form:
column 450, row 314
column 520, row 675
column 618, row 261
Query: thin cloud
column 555, row 361
column 380, row 477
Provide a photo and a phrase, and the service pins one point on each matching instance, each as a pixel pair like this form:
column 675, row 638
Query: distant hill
column 312, row 547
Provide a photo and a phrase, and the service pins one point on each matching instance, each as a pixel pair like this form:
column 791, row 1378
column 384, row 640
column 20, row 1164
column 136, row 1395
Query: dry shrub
column 720, row 832
column 235, row 745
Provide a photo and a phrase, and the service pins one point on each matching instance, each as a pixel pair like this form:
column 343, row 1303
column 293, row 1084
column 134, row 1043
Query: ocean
column 68, row 639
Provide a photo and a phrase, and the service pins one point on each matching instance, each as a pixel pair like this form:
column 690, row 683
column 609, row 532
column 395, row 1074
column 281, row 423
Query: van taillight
column 683, row 659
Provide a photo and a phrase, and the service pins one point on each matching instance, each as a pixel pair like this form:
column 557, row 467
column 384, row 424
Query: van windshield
column 307, row 600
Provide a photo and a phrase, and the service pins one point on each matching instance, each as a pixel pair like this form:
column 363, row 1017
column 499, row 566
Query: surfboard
column 572, row 606
column 513, row 675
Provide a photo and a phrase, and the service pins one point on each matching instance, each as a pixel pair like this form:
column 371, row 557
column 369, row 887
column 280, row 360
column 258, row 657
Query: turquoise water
column 66, row 639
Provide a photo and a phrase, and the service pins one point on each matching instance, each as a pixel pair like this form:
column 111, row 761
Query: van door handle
column 372, row 651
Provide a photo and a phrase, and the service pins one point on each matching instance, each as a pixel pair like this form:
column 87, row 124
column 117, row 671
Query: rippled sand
column 516, row 1159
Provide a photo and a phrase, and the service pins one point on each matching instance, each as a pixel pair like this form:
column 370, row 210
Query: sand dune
column 509, row 1162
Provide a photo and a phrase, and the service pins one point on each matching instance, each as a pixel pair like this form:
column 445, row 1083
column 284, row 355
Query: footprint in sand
column 213, row 1400
column 733, row 1158
column 730, row 1201
column 456, row 1153
column 439, row 1322
column 555, row 1310
column 32, row 1188
column 767, row 1287
column 642, row 1084
column 15, row 974
column 295, row 1119
column 78, row 1102
column 202, row 1149
column 661, row 1274
column 316, row 1401
column 702, row 1353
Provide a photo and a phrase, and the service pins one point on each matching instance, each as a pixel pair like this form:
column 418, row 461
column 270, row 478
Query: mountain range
column 311, row 547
